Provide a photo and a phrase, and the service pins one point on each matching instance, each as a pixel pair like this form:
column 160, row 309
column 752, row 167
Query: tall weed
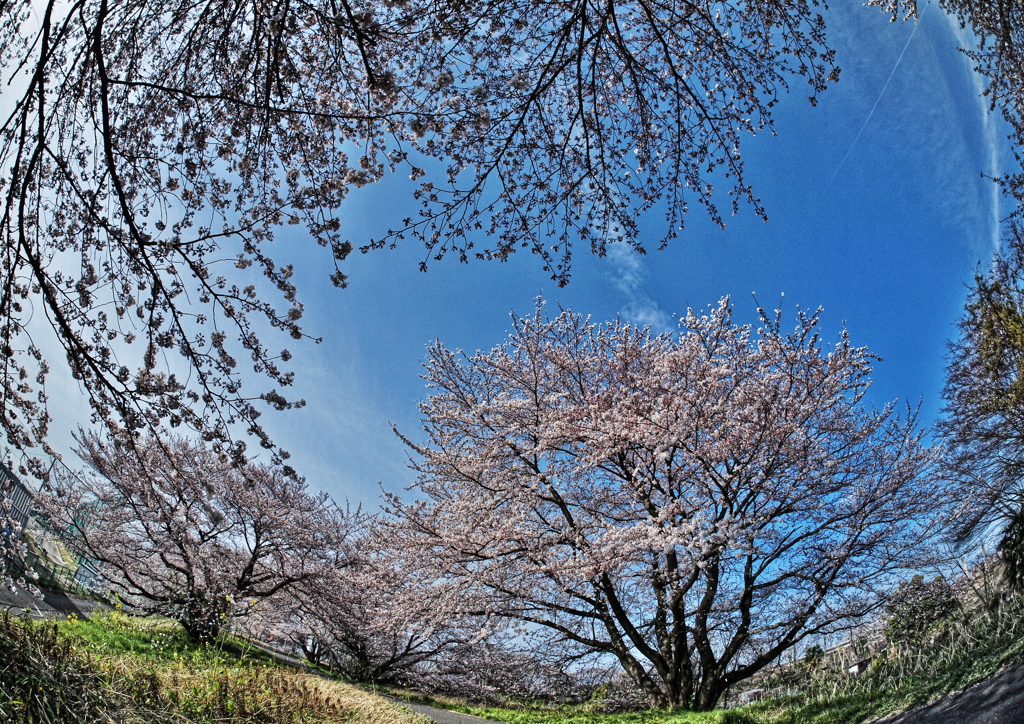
column 127, row 671
column 46, row 679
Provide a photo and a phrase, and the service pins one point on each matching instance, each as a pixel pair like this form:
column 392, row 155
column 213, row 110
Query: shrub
column 1011, row 550
column 917, row 609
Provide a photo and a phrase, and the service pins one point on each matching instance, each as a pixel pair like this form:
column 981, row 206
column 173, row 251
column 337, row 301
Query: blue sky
column 878, row 213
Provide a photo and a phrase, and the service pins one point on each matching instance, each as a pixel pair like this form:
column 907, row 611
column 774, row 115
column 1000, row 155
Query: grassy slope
column 151, row 673
column 962, row 654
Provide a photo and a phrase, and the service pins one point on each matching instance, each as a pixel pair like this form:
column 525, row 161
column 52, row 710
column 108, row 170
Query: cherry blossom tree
column 12, row 550
column 387, row 617
column 382, row 617
column 692, row 505
column 500, row 668
column 150, row 151
column 183, row 532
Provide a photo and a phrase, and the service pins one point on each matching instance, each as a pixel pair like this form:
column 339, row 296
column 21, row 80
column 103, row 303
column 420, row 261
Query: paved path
column 996, row 700
column 53, row 604
column 442, row 716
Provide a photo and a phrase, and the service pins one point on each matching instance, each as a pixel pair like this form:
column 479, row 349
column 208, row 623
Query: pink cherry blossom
column 181, row 531
column 691, row 505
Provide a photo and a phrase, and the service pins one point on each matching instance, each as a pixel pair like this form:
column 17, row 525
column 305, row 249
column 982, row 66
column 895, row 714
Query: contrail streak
column 867, row 120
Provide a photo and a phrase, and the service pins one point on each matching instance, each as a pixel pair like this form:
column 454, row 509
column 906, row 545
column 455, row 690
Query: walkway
column 998, row 699
column 442, row 716
column 53, row 604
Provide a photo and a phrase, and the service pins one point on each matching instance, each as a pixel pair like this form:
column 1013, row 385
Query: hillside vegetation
column 121, row 670
column 946, row 655
column 920, row 661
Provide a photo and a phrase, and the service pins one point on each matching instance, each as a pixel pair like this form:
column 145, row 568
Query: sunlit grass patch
column 578, row 714
column 569, row 715
column 119, row 669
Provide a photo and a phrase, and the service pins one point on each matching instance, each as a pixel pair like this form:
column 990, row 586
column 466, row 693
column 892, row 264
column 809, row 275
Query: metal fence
column 18, row 493
column 82, row 577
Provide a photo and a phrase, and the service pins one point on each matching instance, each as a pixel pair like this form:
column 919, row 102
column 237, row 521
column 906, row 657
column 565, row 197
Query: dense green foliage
column 919, row 609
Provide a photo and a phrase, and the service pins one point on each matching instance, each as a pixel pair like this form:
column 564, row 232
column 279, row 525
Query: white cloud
column 628, row 273
column 923, row 115
column 988, row 123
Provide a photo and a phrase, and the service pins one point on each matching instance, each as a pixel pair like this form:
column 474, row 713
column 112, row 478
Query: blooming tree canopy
column 692, row 505
column 150, row 150
column 182, row 532
column 383, row 617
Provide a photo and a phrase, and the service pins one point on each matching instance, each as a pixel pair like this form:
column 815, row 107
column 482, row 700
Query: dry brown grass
column 250, row 695
column 125, row 671
column 368, row 708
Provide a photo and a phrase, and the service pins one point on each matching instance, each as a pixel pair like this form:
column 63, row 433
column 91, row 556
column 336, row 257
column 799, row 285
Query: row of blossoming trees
column 688, row 507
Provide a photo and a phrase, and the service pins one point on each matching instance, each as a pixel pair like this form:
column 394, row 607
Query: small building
column 860, row 667
column 751, row 695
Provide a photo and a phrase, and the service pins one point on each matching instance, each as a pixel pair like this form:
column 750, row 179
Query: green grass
column 155, row 640
column 524, row 713
column 117, row 669
column 568, row 715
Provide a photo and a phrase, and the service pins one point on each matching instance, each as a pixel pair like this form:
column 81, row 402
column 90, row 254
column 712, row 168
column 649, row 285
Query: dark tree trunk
column 202, row 616
column 202, row 631
column 709, row 694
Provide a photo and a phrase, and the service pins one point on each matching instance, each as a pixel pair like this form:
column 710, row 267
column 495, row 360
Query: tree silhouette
column 984, row 411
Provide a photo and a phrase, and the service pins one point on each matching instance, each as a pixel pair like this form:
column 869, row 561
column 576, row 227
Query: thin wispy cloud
column 988, row 124
column 628, row 275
